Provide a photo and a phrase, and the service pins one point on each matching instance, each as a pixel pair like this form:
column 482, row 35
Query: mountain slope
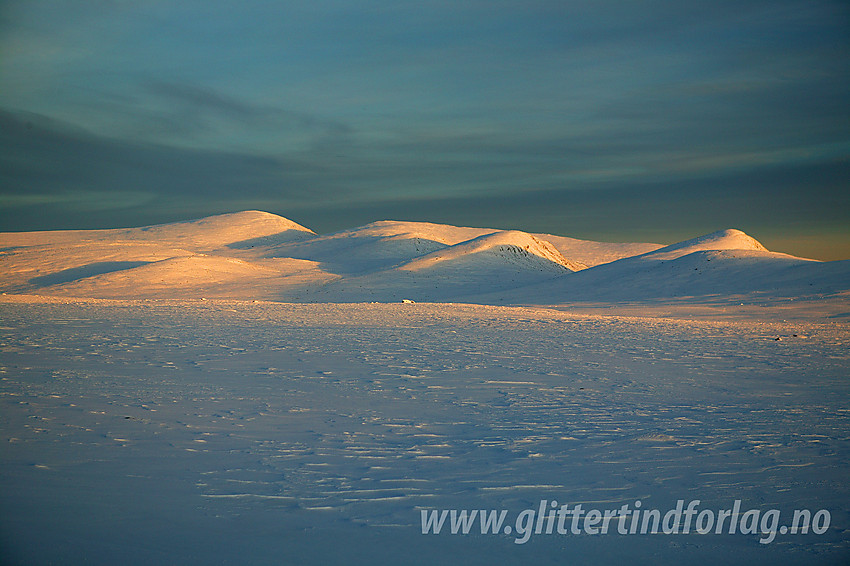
column 730, row 239
column 130, row 261
column 510, row 245
column 383, row 244
column 202, row 234
column 592, row 253
column 722, row 264
column 256, row 255
column 493, row 262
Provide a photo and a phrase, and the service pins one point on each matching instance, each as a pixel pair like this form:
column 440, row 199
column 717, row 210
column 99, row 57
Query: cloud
column 84, row 180
column 188, row 96
column 80, row 201
column 524, row 107
column 193, row 116
column 47, row 157
column 194, row 102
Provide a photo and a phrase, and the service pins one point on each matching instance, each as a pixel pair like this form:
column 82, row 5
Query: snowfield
column 223, row 391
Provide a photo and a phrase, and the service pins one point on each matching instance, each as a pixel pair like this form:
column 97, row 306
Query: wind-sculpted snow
column 232, row 432
column 257, row 255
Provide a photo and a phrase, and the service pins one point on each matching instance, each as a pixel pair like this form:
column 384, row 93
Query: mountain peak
column 729, row 239
column 503, row 241
column 233, row 229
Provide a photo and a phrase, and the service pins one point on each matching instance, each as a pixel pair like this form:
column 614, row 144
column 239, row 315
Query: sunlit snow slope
column 257, row 255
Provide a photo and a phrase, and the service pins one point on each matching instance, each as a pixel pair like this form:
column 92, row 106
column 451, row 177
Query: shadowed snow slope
column 257, row 255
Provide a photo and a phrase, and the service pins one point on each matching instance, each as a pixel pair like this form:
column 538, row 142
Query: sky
column 610, row 120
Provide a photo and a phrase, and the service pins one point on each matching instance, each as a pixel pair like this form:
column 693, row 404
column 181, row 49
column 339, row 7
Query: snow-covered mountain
column 498, row 261
column 717, row 266
column 237, row 229
column 257, row 255
column 723, row 240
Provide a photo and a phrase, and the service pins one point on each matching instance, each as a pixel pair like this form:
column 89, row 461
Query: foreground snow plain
column 248, row 431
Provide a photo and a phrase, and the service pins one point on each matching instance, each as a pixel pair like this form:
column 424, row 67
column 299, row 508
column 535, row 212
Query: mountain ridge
column 259, row 255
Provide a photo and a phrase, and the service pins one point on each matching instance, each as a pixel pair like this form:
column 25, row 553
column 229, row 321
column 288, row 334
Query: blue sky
column 612, row 120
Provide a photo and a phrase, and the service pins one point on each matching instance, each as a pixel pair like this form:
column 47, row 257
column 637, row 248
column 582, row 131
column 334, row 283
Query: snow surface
column 159, row 404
